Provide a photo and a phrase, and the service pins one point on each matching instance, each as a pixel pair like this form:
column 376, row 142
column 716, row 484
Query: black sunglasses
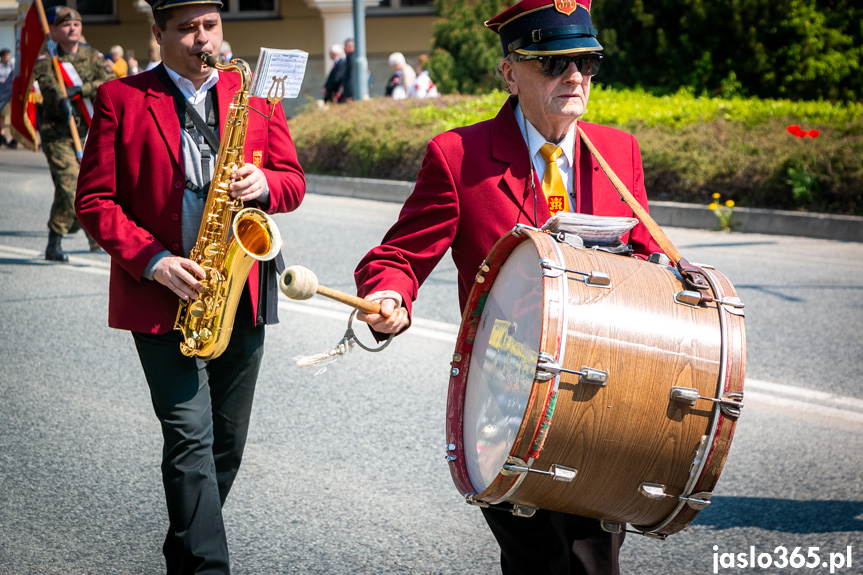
column 554, row 66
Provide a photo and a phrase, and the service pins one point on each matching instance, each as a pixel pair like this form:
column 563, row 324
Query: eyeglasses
column 554, row 66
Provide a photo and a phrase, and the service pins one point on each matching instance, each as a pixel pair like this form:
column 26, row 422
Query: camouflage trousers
column 64, row 171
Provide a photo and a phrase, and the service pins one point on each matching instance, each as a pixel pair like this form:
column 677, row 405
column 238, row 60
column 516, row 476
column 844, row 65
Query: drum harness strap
column 692, row 274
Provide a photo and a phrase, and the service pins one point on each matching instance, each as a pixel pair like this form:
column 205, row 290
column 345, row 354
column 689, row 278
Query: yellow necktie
column 552, row 182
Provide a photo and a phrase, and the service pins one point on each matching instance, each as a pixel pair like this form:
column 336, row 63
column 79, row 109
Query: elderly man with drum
column 480, row 181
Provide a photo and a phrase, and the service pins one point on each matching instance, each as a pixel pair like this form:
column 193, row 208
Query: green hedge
column 692, row 147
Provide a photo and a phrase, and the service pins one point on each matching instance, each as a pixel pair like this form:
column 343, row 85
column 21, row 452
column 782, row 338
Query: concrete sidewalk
column 674, row 214
column 748, row 220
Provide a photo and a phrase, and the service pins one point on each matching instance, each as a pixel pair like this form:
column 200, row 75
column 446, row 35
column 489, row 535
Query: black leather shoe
column 13, row 144
column 54, row 252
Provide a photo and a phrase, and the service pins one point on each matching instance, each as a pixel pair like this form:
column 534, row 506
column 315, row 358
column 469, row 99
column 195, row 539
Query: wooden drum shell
column 629, row 431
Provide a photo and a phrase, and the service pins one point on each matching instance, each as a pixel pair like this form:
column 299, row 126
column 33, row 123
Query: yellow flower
column 716, row 196
column 712, row 206
column 730, row 203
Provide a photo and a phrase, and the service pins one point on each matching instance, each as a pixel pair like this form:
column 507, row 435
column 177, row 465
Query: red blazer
column 473, row 188
column 130, row 188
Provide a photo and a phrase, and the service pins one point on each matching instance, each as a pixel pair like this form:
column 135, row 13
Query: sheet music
column 279, row 73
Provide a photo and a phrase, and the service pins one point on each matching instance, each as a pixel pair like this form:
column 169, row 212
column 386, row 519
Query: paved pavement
column 344, row 472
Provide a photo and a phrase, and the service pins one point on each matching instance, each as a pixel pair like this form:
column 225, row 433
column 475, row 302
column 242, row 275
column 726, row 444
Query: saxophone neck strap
column 183, row 103
column 691, row 273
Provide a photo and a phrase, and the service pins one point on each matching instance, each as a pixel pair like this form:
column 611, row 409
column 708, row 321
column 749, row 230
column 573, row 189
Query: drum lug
column 523, row 510
column 689, row 297
column 730, row 404
column 547, row 368
column 659, row 258
column 611, row 526
column 598, row 279
column 569, row 239
column 655, row 491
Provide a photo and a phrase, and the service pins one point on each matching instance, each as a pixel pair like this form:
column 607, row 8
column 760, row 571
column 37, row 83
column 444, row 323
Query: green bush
column 691, row 146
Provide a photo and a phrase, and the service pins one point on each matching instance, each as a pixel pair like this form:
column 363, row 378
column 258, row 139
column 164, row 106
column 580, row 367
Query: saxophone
column 230, row 238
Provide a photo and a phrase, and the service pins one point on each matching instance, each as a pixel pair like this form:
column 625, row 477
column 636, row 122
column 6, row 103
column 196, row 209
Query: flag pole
column 52, row 50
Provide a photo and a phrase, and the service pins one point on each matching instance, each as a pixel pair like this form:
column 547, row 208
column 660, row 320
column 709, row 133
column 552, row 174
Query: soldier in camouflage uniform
column 53, row 120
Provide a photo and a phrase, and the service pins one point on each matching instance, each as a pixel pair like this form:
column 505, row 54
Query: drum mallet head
column 298, row 282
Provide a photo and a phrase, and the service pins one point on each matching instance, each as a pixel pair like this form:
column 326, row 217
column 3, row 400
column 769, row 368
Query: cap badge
column 565, row 6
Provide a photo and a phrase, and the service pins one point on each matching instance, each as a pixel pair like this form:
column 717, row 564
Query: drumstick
column 298, row 282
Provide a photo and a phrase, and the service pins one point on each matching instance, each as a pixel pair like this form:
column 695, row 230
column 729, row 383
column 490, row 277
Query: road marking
column 776, row 395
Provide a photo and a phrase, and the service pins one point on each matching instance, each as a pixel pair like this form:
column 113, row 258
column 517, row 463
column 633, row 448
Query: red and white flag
column 29, row 45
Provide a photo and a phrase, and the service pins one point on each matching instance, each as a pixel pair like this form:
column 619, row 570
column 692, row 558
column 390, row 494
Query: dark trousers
column 552, row 543
column 204, row 409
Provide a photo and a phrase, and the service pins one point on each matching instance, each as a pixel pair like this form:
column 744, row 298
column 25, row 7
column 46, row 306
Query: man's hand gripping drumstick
column 384, row 316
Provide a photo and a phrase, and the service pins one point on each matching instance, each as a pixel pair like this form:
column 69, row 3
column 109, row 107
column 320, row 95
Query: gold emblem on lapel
column 257, row 158
column 565, row 6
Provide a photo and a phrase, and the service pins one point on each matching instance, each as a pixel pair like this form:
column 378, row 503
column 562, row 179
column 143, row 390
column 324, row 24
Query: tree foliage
column 465, row 54
column 800, row 49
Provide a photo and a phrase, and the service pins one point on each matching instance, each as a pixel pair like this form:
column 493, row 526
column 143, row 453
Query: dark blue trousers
column 204, row 410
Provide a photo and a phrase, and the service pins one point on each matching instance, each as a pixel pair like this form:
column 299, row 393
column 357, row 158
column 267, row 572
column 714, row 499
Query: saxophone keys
column 211, row 251
column 196, row 310
column 205, row 335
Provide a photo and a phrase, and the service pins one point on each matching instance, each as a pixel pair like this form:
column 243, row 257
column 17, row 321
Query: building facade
column 310, row 25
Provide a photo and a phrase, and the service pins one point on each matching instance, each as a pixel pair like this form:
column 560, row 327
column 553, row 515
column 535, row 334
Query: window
column 402, row 8
column 249, row 9
column 91, row 10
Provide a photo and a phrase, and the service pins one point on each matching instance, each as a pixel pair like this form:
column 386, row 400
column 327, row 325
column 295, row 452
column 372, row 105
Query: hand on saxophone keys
column 249, row 182
column 178, row 275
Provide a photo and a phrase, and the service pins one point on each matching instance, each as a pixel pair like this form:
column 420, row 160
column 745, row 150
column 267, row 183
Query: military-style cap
column 163, row 4
column 546, row 27
column 59, row 14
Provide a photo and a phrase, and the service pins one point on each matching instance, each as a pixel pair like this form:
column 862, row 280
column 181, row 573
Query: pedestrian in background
column 226, row 54
column 423, row 87
column 118, row 64
column 154, row 57
column 335, row 84
column 402, row 78
column 83, row 73
column 348, row 84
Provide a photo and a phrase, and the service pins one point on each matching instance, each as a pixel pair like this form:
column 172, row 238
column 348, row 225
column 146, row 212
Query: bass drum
column 593, row 384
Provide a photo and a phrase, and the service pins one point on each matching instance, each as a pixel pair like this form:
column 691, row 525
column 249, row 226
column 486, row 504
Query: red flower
column 794, row 130
column 814, row 133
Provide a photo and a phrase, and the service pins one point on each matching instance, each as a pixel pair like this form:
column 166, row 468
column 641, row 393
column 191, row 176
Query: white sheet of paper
column 279, row 73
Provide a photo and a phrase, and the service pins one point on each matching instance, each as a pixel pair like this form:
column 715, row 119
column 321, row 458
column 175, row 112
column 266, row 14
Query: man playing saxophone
column 142, row 192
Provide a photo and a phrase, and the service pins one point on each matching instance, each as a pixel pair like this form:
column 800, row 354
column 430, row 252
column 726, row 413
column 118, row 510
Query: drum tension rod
column 556, row 472
column 731, row 403
column 594, row 278
column 694, row 298
column 656, row 491
column 547, row 368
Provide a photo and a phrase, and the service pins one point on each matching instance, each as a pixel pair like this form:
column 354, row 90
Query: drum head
column 503, row 365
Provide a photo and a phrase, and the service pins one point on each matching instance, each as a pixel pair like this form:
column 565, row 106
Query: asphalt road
column 344, row 470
